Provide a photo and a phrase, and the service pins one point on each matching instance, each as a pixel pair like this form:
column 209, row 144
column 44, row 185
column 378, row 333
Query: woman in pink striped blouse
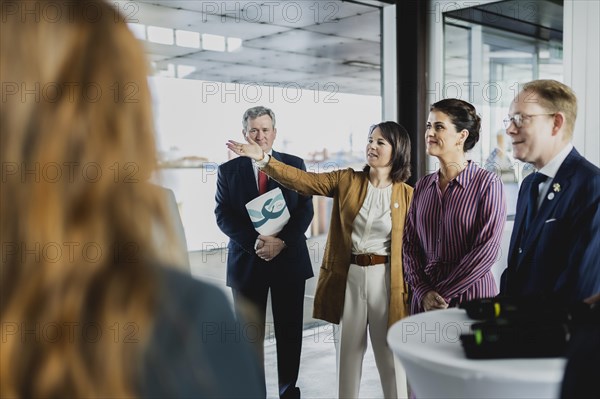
column 455, row 221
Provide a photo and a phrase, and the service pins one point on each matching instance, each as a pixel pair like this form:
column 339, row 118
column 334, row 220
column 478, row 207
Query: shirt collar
column 463, row 178
column 551, row 168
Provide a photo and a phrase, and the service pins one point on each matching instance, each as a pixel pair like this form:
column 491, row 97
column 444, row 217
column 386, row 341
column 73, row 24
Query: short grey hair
column 256, row 112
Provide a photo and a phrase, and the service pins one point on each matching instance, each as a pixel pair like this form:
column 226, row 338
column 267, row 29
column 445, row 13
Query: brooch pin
column 556, row 187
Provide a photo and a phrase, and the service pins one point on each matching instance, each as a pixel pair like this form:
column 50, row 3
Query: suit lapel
column 518, row 227
column 560, row 185
column 248, row 178
column 520, row 216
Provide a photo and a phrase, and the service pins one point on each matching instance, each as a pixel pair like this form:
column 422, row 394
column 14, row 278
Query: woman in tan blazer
column 361, row 283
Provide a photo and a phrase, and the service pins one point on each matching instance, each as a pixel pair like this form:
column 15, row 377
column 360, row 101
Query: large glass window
column 316, row 64
column 326, row 128
column 486, row 66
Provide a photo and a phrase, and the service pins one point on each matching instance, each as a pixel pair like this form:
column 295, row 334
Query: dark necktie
column 262, row 182
column 533, row 197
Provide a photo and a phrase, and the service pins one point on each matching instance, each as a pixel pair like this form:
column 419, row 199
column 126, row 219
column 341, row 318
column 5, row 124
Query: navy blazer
column 560, row 254
column 236, row 186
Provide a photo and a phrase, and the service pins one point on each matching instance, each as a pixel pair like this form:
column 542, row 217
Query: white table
column 429, row 347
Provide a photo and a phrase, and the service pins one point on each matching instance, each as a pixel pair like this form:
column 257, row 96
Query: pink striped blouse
column 451, row 240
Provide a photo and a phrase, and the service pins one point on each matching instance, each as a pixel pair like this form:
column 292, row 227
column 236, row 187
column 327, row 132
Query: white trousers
column 366, row 305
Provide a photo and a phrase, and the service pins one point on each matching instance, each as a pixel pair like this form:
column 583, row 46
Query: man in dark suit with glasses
column 555, row 243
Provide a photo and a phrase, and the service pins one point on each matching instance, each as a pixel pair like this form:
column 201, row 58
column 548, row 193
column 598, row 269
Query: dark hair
column 257, row 112
column 463, row 116
column 397, row 136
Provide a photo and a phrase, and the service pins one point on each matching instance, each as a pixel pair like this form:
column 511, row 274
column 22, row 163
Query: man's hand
column 432, row 300
column 268, row 247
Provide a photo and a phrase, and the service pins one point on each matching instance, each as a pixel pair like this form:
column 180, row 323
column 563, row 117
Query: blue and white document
column 268, row 212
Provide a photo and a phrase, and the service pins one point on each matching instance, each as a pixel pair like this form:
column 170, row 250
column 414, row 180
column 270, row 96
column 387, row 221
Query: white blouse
column 372, row 228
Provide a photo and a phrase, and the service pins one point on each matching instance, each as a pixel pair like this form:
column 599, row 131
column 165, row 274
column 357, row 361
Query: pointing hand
column 250, row 150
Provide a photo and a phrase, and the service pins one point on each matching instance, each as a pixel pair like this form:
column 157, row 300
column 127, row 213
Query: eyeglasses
column 519, row 119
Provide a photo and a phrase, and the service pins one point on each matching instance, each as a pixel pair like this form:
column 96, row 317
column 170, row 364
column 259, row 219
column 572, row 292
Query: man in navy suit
column 257, row 263
column 555, row 243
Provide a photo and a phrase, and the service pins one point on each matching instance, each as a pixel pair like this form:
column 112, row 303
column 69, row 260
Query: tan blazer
column 348, row 189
